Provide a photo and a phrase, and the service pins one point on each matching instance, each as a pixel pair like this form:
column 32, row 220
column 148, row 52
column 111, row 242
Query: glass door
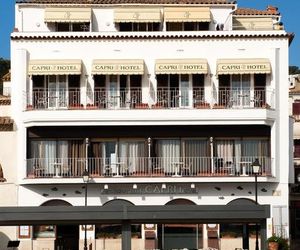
column 109, row 151
column 113, row 92
column 185, row 95
column 240, row 91
column 57, row 91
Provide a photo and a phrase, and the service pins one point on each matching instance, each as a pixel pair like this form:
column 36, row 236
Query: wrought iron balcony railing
column 146, row 167
column 135, row 98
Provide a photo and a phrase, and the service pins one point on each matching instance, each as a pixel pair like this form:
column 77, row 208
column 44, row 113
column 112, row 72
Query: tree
column 293, row 70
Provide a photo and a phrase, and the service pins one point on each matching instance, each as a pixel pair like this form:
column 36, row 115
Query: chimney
column 272, row 9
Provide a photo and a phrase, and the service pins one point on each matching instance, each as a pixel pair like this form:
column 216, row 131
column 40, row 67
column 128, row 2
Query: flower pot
column 273, row 246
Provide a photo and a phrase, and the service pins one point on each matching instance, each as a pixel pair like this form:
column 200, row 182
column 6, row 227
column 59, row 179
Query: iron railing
column 146, row 166
column 133, row 98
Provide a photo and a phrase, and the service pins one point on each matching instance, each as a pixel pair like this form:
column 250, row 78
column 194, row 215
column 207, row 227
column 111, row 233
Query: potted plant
column 277, row 243
column 91, row 106
column 218, row 106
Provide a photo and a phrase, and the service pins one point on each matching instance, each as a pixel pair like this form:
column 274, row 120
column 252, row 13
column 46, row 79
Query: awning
column 55, row 67
column 137, row 15
column 243, row 66
column 197, row 14
column 118, row 67
column 252, row 23
column 181, row 66
column 65, row 15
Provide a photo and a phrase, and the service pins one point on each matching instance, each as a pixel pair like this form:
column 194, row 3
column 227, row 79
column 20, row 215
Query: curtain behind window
column 76, row 152
column 132, row 154
column 197, row 155
column 168, row 152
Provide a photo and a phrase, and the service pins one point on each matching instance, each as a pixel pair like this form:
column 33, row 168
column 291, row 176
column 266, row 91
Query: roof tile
column 6, row 123
column 270, row 11
column 5, row 100
column 6, row 77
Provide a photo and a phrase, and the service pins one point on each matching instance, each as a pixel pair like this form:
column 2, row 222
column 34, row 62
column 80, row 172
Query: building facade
column 294, row 96
column 163, row 103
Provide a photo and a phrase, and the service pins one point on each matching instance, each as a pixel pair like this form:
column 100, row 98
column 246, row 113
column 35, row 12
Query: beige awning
column 137, row 15
column 243, row 66
column 118, row 67
column 252, row 23
column 196, row 14
column 54, row 67
column 65, row 15
column 181, row 66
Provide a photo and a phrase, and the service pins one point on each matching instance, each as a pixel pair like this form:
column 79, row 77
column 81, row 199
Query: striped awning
column 65, row 15
column 181, row 66
column 196, row 14
column 118, row 67
column 55, row 67
column 243, row 66
column 137, row 15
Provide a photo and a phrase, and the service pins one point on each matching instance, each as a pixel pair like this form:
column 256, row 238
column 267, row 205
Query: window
column 241, row 152
column 139, row 26
column 174, row 90
column 187, row 26
column 57, row 157
column 75, row 27
column 56, row 91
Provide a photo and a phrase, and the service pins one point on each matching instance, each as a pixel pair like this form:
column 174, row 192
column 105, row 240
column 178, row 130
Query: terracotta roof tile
column 129, row 1
column 6, row 77
column 270, row 11
column 4, row 100
column 6, row 123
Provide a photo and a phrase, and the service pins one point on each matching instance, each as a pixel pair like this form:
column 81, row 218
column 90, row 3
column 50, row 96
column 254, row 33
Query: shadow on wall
column 3, row 240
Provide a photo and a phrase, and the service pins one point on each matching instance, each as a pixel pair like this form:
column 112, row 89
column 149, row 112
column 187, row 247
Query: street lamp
column 85, row 177
column 256, row 169
column 149, row 154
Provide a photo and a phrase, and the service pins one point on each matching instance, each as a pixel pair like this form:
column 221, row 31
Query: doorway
column 67, row 237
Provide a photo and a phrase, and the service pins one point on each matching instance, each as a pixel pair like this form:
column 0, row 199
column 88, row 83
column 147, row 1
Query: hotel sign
column 252, row 66
column 54, row 67
column 118, row 67
column 150, row 189
column 184, row 66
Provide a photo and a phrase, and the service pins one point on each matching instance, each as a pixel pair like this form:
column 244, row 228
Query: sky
column 289, row 10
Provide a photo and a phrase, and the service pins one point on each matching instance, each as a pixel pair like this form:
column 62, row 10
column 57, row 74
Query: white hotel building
column 163, row 103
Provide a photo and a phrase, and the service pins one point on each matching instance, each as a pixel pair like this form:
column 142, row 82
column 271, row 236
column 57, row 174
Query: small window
column 76, row 27
column 187, row 26
column 139, row 26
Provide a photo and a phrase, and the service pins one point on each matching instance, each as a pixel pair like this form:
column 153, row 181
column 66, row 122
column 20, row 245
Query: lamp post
column 256, row 169
column 85, row 177
column 149, row 155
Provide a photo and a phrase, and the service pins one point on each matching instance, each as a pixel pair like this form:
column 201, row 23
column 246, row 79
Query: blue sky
column 288, row 8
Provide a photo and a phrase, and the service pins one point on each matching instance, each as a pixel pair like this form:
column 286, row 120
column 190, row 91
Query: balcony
column 146, row 167
column 163, row 98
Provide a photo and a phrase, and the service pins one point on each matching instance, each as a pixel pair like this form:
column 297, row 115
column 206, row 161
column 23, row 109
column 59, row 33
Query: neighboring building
column 6, row 84
column 8, row 178
column 163, row 102
column 294, row 96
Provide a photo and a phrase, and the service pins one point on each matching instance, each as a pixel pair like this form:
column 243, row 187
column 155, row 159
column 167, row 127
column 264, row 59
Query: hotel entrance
column 179, row 236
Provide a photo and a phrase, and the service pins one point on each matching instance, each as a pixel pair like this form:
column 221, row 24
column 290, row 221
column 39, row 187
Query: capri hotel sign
column 122, row 66
column 54, row 67
column 244, row 67
column 183, row 66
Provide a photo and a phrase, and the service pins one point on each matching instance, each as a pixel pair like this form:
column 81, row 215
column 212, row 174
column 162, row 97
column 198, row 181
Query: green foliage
column 293, row 70
column 4, row 66
column 282, row 243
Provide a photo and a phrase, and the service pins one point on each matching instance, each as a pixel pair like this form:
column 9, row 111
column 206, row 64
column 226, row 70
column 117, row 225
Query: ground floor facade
column 162, row 215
